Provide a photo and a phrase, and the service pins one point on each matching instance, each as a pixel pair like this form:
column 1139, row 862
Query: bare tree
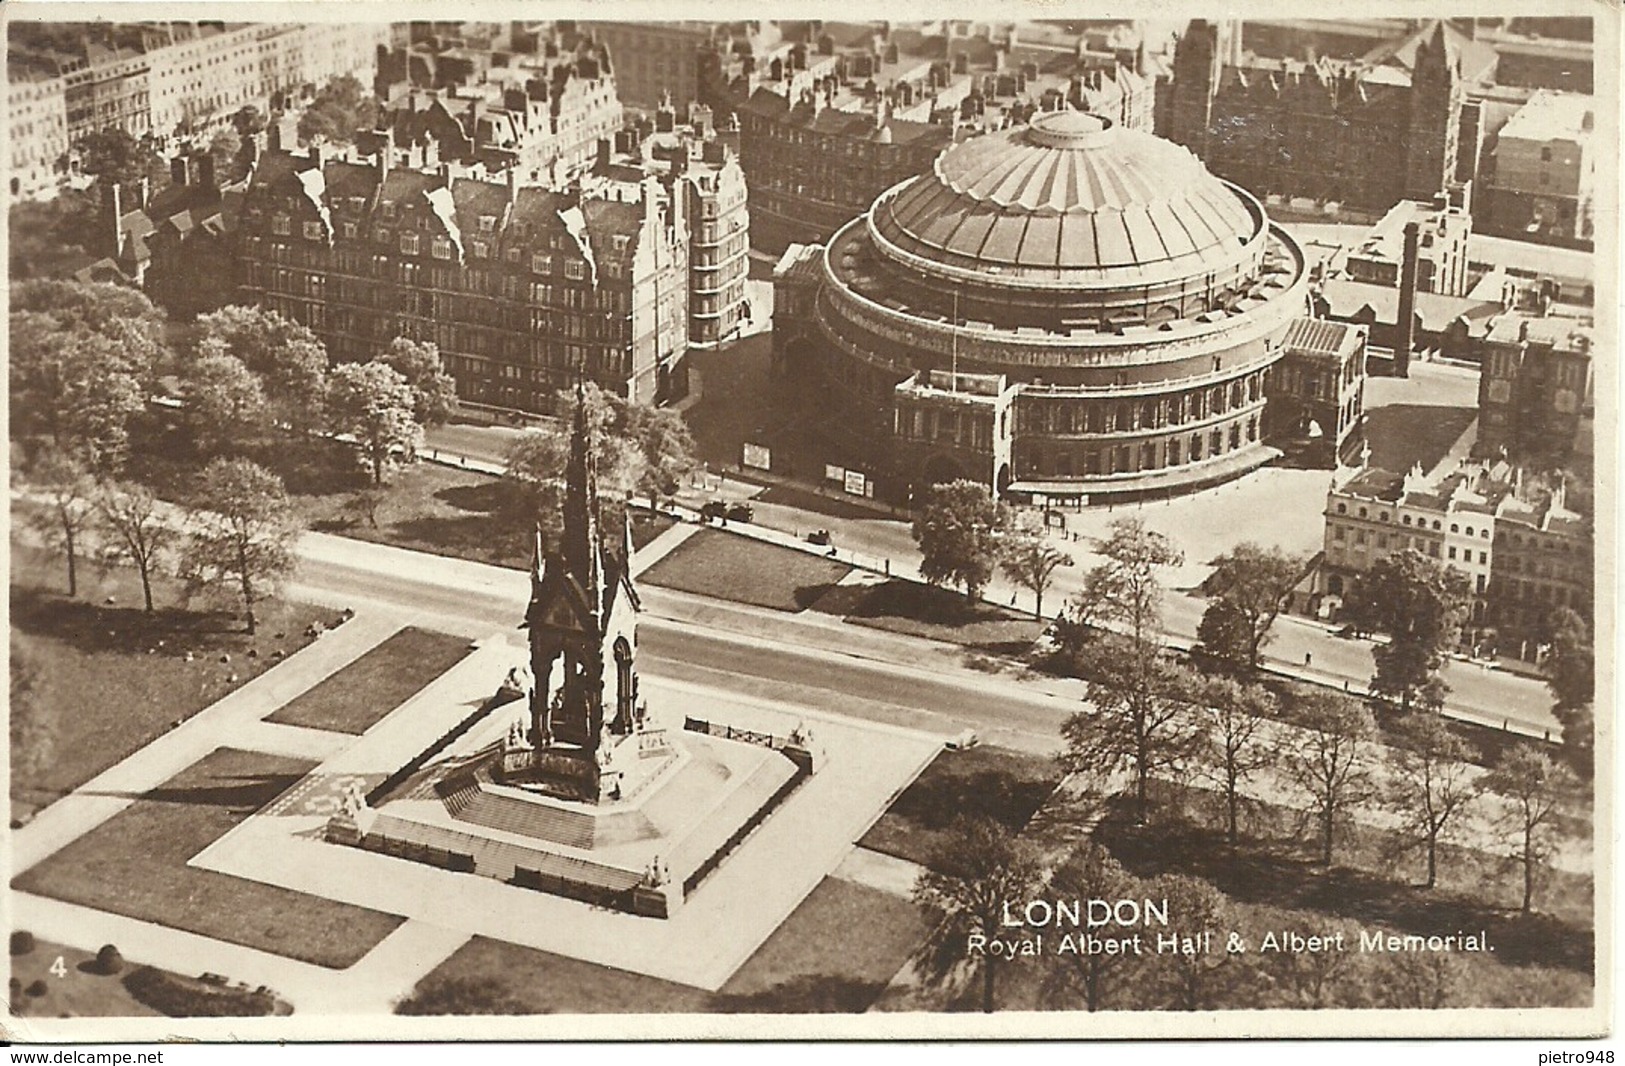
column 1141, row 718
column 1031, row 563
column 69, row 492
column 1194, row 977
column 1330, row 756
column 1125, row 587
column 1536, row 787
column 133, row 516
column 1233, row 752
column 1431, row 782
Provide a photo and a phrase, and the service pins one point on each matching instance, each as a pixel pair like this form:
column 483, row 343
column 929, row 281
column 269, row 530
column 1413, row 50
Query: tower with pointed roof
column 583, row 639
column 1437, row 95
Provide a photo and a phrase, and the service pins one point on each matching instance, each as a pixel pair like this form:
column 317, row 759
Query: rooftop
column 1550, row 116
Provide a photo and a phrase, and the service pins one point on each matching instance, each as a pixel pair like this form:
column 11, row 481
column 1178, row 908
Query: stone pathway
column 877, row 870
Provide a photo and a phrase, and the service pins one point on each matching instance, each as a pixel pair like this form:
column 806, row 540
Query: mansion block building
column 524, row 288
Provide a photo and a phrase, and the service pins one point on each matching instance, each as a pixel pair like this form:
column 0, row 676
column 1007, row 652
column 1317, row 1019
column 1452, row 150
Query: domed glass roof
column 1071, row 197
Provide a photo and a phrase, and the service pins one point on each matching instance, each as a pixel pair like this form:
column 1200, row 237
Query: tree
column 224, row 399
column 69, row 491
column 1125, row 587
column 1142, row 719
column 373, row 403
column 463, row 996
column 1312, row 979
column 112, row 154
column 364, row 503
column 341, row 109
column 639, row 449
column 224, row 148
column 1031, row 563
column 1329, row 756
column 1420, row 605
column 133, row 517
column 1420, row 980
column 1431, row 782
column 978, row 866
column 1232, row 751
column 1193, row 976
column 1089, row 873
column 82, row 362
column 247, row 120
column 290, row 362
column 244, row 531
column 1536, row 787
column 958, row 528
column 1255, row 582
column 434, row 392
column 1571, row 675
column 1223, row 633
column 51, row 238
column 34, row 727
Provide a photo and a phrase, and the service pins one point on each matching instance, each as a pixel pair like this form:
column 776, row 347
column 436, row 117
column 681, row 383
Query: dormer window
column 541, row 264
column 487, row 223
column 313, row 231
column 409, row 244
column 281, row 225
column 440, row 248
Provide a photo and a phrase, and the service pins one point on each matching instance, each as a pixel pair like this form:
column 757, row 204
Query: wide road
column 822, row 674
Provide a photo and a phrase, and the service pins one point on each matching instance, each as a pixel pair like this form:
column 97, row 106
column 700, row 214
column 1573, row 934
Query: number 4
column 59, row 968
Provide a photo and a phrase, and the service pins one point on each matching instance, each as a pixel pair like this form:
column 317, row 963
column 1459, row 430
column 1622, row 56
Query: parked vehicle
column 818, row 536
column 741, row 512
column 714, row 510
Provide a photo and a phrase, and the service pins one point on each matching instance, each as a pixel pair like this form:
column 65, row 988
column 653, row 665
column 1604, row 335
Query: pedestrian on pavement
column 1308, row 658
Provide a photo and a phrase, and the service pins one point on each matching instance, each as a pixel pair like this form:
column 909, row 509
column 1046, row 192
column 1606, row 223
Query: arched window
column 626, row 684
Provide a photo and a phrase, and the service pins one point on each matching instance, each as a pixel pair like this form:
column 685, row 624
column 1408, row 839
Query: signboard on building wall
column 834, row 473
column 758, row 456
column 854, row 482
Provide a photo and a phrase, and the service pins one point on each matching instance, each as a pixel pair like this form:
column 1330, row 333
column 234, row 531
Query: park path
column 233, row 721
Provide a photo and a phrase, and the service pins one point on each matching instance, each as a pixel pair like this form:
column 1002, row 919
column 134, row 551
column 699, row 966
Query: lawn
column 163, row 667
column 81, row 993
column 134, row 864
column 1405, row 434
column 935, row 613
column 1372, row 881
column 433, row 508
column 354, row 698
column 1003, row 785
column 727, row 567
column 834, row 953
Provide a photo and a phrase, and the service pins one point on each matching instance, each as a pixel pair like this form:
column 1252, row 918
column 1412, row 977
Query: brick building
column 1317, row 393
column 1361, row 135
column 1535, row 392
column 523, row 288
column 1540, row 179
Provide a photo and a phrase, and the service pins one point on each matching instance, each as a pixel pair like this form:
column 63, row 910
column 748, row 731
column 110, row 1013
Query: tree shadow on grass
column 1254, row 875
column 89, row 627
column 803, row 994
column 935, row 800
column 489, row 499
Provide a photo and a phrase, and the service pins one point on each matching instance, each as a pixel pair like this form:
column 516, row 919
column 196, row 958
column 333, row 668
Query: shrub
column 37, row 989
column 108, row 960
column 185, row 997
column 22, row 942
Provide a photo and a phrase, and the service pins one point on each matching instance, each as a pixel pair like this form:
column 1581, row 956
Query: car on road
column 741, row 512
column 714, row 510
column 962, row 741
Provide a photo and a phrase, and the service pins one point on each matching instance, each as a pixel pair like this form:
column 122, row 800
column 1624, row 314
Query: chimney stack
column 205, row 171
column 113, row 198
column 1405, row 338
column 178, row 171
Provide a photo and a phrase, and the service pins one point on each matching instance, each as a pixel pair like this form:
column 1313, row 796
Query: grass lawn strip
column 1004, row 785
column 934, row 613
column 134, row 864
column 81, row 992
column 354, row 698
column 727, row 567
column 114, row 678
column 834, row 953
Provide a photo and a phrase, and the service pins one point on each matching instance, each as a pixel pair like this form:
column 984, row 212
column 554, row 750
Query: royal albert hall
column 1071, row 311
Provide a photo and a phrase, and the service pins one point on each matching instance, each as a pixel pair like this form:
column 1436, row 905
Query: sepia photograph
column 985, row 525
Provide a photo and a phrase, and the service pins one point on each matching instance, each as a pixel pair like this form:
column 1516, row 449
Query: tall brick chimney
column 1405, row 332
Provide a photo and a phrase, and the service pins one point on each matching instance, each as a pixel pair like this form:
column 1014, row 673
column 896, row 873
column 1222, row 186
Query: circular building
column 1066, row 309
